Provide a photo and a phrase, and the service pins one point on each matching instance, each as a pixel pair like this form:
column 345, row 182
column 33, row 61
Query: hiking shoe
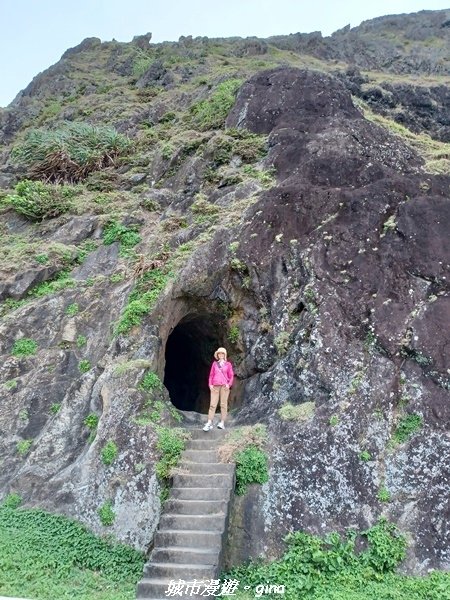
column 221, row 425
column 208, row 426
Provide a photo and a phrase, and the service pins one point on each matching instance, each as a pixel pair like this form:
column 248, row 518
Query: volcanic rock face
column 337, row 279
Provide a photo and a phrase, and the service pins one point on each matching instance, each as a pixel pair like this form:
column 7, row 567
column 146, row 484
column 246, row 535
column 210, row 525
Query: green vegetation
column 61, row 281
column 365, row 456
column 127, row 236
column 11, row 384
column 55, row 408
column 334, row 420
column 233, row 334
column 91, row 421
column 51, row 557
column 244, row 446
column 297, row 412
column 36, row 200
column 106, row 514
column 81, row 341
column 151, row 382
column 84, row 366
column 109, row 453
column 11, row 501
column 23, row 447
column 171, row 443
column 282, row 342
column 333, row 569
column 72, row 309
column 212, row 112
column 71, row 152
column 24, row 347
column 143, row 299
column 407, row 427
column 383, row 495
column 251, row 467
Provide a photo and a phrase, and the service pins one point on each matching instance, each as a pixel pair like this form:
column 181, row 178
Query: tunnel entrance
column 189, row 353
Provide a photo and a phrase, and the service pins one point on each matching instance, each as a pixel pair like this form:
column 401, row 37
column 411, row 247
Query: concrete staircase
column 193, row 527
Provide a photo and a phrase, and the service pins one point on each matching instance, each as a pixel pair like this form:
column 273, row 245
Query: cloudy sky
column 35, row 33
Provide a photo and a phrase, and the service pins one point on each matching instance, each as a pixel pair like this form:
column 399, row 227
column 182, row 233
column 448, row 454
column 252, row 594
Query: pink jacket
column 218, row 376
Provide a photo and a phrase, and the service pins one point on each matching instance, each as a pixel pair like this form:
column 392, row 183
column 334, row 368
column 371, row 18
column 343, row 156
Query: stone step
column 190, row 522
column 206, row 468
column 199, row 493
column 221, row 480
column 206, row 444
column 212, row 434
column 184, row 555
column 195, row 507
column 178, row 571
column 155, row 588
column 200, row 455
column 198, row 539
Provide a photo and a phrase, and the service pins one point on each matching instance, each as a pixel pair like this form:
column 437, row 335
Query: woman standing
column 220, row 381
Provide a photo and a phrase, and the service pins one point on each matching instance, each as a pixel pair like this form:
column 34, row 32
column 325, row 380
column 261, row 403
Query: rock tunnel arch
column 189, row 352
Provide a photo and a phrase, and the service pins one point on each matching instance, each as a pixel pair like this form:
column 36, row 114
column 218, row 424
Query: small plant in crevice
column 23, row 447
column 383, row 495
column 109, row 453
column 72, row 309
column 127, row 236
column 24, row 347
column 170, row 444
column 55, row 408
column 407, row 426
column 282, row 342
column 11, row 384
column 84, row 366
column 106, row 514
column 365, row 456
column 91, row 422
column 151, row 382
column 233, row 334
column 81, row 341
column 12, row 501
column 245, row 447
column 334, row 420
column 251, row 467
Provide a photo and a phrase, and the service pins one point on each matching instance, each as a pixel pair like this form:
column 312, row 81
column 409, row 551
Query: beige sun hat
column 220, row 350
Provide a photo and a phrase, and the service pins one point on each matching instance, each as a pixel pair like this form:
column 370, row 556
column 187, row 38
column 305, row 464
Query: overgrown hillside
column 286, row 198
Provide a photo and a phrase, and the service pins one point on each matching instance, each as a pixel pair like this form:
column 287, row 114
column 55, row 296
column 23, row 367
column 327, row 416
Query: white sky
column 35, row 33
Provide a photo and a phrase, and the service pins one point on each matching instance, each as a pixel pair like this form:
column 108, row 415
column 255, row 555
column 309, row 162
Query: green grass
column 170, row 444
column 109, row 453
column 106, row 514
column 49, row 557
column 251, row 467
column 70, row 152
column 331, row 568
column 143, row 299
column 151, row 382
column 297, row 412
column 24, row 347
column 407, row 427
column 212, row 112
column 36, row 200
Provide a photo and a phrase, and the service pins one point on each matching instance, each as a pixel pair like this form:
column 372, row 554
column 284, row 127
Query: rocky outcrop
column 329, row 286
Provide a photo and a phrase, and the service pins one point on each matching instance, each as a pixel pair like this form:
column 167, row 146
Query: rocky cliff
column 298, row 225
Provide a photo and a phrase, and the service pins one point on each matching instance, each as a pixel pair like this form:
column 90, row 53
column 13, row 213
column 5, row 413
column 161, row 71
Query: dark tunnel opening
column 189, row 353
